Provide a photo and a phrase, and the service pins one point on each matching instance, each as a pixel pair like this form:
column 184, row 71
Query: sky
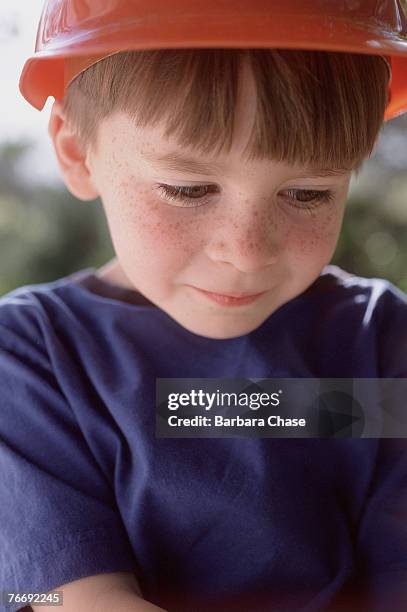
column 18, row 119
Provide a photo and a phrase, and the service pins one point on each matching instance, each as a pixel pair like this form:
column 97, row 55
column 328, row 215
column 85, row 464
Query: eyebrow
column 179, row 162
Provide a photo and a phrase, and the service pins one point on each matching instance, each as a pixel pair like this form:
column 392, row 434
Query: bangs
column 313, row 107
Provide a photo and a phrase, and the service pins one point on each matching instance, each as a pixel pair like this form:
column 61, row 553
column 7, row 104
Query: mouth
column 230, row 300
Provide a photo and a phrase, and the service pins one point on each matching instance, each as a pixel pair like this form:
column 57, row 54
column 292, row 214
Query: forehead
column 178, row 160
column 149, row 145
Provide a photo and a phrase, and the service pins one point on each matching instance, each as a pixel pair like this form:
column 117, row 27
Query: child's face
column 245, row 234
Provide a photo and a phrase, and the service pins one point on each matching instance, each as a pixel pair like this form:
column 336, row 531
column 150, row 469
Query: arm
column 119, row 591
column 59, row 517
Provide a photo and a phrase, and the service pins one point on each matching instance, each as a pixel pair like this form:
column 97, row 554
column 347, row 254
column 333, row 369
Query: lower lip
column 224, row 300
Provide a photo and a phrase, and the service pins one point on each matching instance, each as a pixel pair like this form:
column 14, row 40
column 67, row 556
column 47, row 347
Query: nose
column 249, row 243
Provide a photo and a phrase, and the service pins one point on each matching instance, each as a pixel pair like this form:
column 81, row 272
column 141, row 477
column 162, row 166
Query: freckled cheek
column 317, row 238
column 155, row 229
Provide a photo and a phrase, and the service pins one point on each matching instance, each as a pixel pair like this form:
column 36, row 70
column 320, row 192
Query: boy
column 93, row 503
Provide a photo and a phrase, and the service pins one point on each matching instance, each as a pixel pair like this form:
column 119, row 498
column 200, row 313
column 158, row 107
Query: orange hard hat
column 74, row 34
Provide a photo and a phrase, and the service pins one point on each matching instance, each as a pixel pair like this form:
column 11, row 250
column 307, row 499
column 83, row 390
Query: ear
column 71, row 156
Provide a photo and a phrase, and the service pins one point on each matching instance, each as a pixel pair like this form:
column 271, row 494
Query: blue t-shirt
column 232, row 524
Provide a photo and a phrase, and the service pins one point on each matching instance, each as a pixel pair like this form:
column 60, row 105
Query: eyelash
column 183, row 193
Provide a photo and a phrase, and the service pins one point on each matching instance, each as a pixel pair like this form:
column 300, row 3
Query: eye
column 304, row 200
column 186, row 194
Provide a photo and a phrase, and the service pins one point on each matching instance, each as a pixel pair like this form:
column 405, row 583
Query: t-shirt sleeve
column 381, row 546
column 59, row 520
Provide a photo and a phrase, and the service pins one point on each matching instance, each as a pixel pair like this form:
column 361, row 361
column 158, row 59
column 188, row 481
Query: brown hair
column 313, row 107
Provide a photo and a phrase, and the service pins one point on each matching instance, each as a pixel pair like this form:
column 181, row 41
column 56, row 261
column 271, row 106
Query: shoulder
column 22, row 323
column 378, row 295
column 334, row 276
column 377, row 308
column 30, row 309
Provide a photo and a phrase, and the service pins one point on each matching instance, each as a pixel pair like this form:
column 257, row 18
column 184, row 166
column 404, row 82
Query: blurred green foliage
column 373, row 242
column 46, row 233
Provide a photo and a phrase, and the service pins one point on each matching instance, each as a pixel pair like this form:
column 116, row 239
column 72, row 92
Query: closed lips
column 233, row 295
